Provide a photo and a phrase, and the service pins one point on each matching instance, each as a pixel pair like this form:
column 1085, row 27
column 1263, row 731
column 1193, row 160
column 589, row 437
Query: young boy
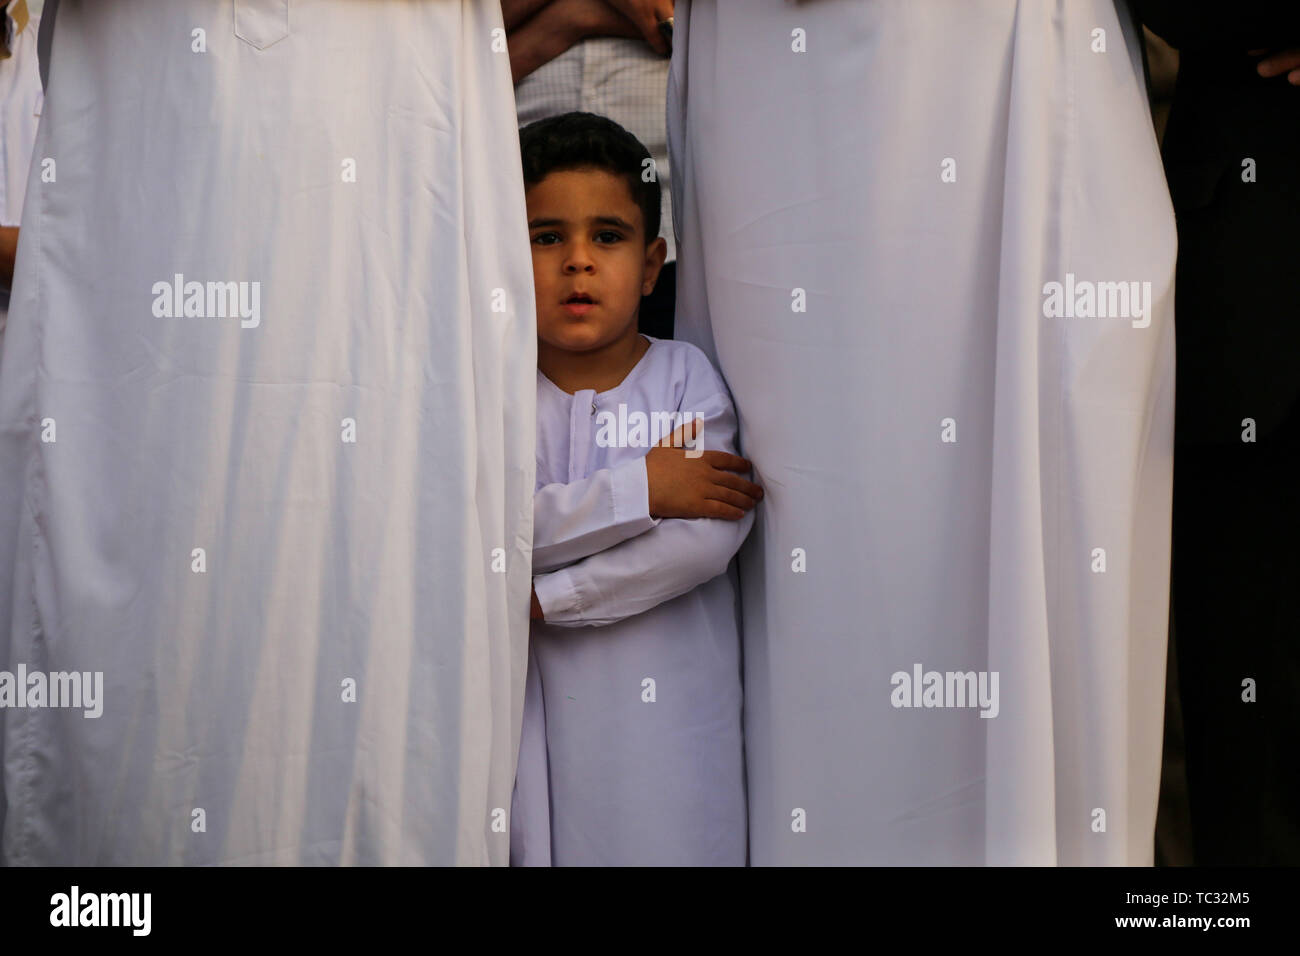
column 631, row 752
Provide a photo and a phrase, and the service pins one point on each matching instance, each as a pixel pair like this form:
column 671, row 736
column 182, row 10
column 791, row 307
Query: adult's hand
column 515, row 12
column 646, row 16
column 1283, row 61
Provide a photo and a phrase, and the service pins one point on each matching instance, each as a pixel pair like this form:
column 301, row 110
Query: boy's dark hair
column 585, row 140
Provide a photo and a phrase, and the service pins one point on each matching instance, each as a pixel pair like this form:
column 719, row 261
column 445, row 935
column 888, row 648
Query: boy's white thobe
column 631, row 750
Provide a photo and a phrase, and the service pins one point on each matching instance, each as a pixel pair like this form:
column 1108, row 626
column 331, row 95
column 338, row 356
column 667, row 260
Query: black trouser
column 1236, row 606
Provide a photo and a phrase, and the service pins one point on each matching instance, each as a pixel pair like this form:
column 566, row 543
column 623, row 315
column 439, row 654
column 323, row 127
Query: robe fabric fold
column 931, row 249
column 267, row 438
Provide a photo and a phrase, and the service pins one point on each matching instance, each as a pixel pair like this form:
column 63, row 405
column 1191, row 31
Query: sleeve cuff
column 558, row 596
column 631, row 492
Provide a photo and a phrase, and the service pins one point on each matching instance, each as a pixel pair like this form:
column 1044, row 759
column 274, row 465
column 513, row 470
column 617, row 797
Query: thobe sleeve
column 573, row 521
column 678, row 555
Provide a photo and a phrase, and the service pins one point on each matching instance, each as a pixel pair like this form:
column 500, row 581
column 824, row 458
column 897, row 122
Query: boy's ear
column 655, row 254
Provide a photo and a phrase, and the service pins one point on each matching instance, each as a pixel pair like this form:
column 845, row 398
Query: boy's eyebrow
column 615, row 221
column 598, row 220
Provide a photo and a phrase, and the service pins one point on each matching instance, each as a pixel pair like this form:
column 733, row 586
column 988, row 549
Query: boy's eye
column 610, row 236
column 546, row 238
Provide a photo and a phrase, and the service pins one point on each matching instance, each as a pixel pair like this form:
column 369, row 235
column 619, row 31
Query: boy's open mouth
column 578, row 304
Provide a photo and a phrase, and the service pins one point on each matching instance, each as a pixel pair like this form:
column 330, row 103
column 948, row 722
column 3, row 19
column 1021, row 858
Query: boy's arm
column 653, row 567
column 637, row 575
column 583, row 517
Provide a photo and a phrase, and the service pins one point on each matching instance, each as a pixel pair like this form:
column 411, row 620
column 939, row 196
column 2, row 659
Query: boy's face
column 588, row 240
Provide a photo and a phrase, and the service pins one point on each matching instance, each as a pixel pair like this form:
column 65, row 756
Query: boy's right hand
column 706, row 486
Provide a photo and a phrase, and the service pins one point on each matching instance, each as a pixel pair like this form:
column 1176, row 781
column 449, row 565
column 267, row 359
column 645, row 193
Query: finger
column 664, row 11
column 688, row 430
column 734, row 498
column 1294, row 77
column 1274, row 66
column 656, row 12
column 727, row 461
column 650, row 27
column 733, row 481
column 1279, row 63
column 720, row 509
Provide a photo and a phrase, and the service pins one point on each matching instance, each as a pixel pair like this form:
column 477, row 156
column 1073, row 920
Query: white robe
column 947, row 465
column 631, row 750
column 297, row 548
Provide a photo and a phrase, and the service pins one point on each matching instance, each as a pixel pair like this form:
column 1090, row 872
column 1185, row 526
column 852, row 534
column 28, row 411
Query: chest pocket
column 261, row 23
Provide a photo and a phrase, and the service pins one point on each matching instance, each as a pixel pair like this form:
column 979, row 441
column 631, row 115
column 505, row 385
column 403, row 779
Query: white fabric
column 822, row 171
column 620, row 778
column 326, row 560
column 618, row 77
column 20, row 106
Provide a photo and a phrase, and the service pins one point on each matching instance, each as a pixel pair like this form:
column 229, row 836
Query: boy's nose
column 578, row 257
